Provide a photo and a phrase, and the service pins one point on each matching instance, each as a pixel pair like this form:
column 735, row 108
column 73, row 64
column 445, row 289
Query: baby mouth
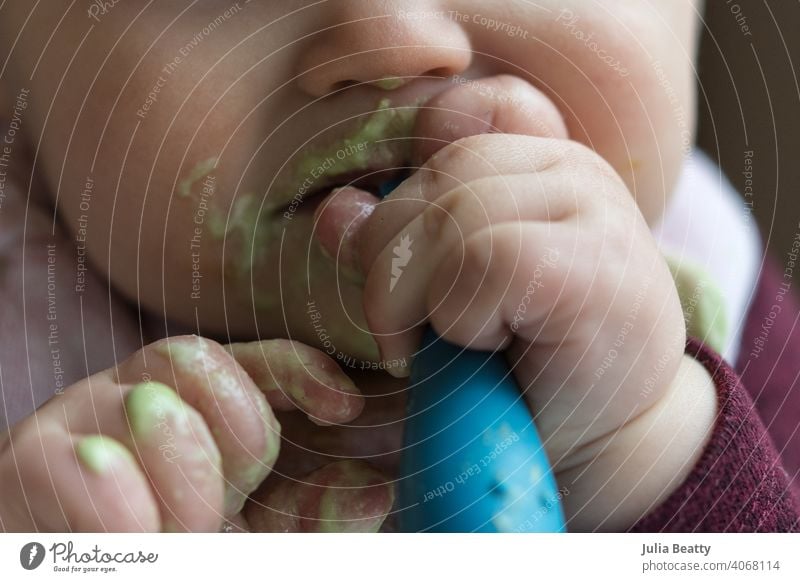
column 377, row 182
column 340, row 210
column 339, row 184
column 370, row 155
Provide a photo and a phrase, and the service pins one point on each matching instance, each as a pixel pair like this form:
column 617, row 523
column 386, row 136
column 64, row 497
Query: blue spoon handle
column 472, row 458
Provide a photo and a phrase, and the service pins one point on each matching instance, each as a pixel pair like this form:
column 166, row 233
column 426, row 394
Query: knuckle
column 491, row 258
column 480, row 253
column 581, row 155
column 575, row 152
column 510, row 251
column 462, row 153
column 541, row 154
column 191, row 353
column 444, row 213
column 600, row 194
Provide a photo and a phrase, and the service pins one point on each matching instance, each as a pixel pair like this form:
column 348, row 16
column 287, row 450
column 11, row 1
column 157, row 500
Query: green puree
column 99, row 453
column 389, row 83
column 149, row 404
column 379, row 139
column 200, row 171
column 702, row 302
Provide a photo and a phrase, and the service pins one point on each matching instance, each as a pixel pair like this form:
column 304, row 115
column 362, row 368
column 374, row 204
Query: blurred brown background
column 749, row 99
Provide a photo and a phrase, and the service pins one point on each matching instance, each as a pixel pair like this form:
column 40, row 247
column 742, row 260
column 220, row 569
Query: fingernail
column 396, row 367
column 400, row 370
column 234, row 500
column 98, row 453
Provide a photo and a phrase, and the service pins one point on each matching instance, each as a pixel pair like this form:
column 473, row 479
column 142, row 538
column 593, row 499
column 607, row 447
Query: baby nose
column 382, row 43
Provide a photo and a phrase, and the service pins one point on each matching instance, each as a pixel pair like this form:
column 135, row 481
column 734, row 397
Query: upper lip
column 385, row 164
column 387, row 155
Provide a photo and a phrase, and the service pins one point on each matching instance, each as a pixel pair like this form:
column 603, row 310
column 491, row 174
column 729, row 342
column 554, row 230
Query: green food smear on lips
column 243, row 222
column 382, row 135
column 389, row 83
column 378, row 140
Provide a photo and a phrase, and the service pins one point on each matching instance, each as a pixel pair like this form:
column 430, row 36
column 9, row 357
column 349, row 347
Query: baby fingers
column 55, row 481
column 209, row 380
column 293, row 375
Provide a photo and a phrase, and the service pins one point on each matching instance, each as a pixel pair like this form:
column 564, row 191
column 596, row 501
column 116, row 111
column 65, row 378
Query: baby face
column 188, row 144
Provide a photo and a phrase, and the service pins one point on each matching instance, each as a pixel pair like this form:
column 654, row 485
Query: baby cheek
column 641, row 124
column 158, row 259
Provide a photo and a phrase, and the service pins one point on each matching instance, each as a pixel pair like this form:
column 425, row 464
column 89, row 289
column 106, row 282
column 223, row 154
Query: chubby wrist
column 648, row 458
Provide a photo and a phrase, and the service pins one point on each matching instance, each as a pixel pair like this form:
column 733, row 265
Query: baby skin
column 527, row 216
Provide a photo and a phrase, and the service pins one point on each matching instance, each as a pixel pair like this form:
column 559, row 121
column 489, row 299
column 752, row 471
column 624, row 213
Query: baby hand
column 175, row 439
column 514, row 237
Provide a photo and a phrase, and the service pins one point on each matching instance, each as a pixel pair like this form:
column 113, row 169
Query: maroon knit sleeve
column 739, row 484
